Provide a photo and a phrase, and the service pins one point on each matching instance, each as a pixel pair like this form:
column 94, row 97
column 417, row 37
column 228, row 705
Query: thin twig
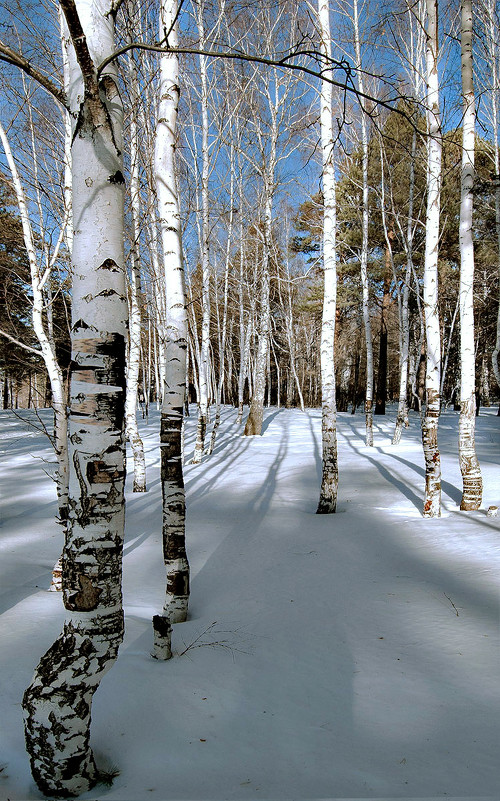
column 451, row 602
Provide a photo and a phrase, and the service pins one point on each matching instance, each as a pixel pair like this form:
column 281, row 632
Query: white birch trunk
column 446, row 349
column 68, row 136
column 174, row 503
column 243, row 330
column 57, row 704
column 432, row 500
column 223, row 325
column 469, row 465
column 329, row 480
column 47, row 345
column 364, row 245
column 255, row 419
column 134, row 349
column 205, row 257
column 288, row 315
column 402, row 413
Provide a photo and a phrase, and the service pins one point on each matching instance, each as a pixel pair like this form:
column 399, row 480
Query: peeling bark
column 57, row 704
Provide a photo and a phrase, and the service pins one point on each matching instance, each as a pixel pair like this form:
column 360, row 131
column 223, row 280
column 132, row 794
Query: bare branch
column 11, row 56
column 284, row 63
column 79, row 41
column 20, row 344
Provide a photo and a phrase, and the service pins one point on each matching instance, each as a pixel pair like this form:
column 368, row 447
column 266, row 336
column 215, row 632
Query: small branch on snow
column 451, row 602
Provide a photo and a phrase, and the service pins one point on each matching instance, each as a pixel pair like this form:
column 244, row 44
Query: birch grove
column 237, row 227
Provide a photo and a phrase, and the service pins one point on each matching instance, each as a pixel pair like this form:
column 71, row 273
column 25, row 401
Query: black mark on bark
column 86, row 599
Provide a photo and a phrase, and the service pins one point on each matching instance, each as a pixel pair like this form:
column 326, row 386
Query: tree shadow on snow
column 269, row 419
column 417, row 500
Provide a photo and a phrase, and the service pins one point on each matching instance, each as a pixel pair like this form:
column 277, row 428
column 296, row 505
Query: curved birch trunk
column 57, row 704
column 364, row 245
column 469, row 465
column 329, row 480
column 432, row 500
column 172, row 481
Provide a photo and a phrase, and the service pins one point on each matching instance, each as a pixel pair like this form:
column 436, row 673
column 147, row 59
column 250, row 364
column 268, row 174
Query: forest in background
column 249, row 111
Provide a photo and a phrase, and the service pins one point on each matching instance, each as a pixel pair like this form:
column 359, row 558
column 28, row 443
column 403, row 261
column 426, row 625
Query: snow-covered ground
column 344, row 656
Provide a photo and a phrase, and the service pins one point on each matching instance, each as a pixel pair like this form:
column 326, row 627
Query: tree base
column 326, row 508
column 162, row 645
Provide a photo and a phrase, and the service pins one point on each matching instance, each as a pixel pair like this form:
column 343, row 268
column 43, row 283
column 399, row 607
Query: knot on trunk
column 86, row 599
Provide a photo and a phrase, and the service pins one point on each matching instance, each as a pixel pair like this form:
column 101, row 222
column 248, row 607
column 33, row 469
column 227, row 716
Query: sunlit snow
column 325, row 657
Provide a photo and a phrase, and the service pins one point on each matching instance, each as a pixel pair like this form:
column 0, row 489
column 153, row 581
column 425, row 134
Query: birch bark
column 255, row 417
column 329, row 479
column 223, row 326
column 432, row 500
column 469, row 465
column 404, row 340
column 134, row 349
column 205, row 256
column 57, row 704
column 364, row 245
column 174, row 503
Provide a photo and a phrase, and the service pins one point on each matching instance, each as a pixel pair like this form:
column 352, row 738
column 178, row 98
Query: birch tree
column 432, row 501
column 175, row 332
column 255, row 417
column 329, row 480
column 134, row 342
column 469, row 465
column 57, row 704
column 205, row 253
column 39, row 277
column 410, row 45
column 364, row 245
